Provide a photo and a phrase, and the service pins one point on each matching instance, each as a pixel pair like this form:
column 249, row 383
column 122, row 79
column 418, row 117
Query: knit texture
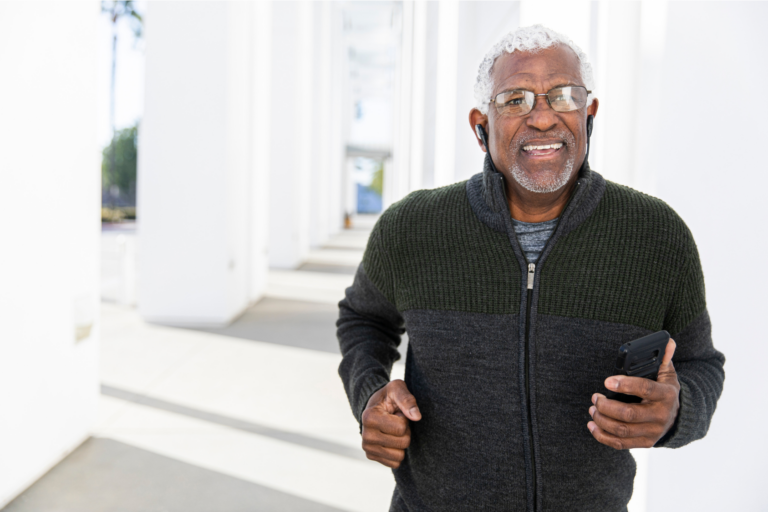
column 429, row 251
column 633, row 261
column 446, row 265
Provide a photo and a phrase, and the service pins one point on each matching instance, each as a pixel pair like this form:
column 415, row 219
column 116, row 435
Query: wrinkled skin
column 538, row 72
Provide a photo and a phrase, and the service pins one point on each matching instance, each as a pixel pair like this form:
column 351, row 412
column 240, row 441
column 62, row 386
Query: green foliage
column 124, row 173
column 124, row 9
column 377, row 184
column 118, row 214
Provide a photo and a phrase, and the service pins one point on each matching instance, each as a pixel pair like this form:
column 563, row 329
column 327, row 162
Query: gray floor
column 288, row 322
column 108, row 476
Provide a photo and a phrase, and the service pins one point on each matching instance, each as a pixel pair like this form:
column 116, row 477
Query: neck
column 527, row 206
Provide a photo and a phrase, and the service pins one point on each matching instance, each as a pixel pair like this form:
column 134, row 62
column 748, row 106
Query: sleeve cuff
column 369, row 387
column 681, row 432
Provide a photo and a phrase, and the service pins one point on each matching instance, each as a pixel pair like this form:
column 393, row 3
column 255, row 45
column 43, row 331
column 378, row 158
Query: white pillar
column 476, row 37
column 327, row 146
column 49, row 265
column 194, row 164
column 418, row 92
column 653, row 28
column 293, row 161
column 338, row 120
column 261, row 147
column 618, row 74
column 397, row 175
column 445, row 117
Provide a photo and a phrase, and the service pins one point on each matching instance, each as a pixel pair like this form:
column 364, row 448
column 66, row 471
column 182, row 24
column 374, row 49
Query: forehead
column 555, row 64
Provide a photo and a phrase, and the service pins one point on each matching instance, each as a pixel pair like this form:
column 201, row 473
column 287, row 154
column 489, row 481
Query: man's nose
column 542, row 117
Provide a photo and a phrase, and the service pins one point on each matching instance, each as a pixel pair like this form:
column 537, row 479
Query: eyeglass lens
column 561, row 99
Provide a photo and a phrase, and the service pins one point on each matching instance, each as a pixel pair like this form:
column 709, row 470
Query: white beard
column 549, row 180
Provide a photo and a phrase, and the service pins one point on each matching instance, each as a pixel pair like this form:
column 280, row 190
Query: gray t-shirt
column 533, row 237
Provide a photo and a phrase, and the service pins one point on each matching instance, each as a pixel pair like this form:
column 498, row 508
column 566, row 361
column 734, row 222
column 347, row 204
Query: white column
column 476, row 37
column 49, row 265
column 569, row 17
column 653, row 28
column 397, row 175
column 338, row 119
column 418, row 92
column 445, row 117
column 194, row 164
column 261, row 146
column 618, row 74
column 320, row 89
column 718, row 188
column 293, row 161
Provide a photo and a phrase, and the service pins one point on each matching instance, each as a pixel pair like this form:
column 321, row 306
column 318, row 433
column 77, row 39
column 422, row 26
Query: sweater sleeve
column 698, row 364
column 368, row 329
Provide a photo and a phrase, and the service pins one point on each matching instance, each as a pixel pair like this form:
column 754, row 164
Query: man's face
column 543, row 149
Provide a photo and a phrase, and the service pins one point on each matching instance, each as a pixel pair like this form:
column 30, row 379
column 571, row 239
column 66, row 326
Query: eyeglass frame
column 493, row 100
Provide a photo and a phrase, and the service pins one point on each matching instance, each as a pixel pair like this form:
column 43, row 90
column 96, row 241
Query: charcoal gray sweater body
column 503, row 373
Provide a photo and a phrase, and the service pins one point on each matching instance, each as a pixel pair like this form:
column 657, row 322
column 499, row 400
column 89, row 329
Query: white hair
column 526, row 39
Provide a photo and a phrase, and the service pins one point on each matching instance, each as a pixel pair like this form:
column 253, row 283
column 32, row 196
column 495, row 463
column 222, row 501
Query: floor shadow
column 104, row 475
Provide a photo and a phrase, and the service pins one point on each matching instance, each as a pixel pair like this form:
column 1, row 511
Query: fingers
column 386, row 427
column 648, row 430
column 646, row 389
column 398, row 392
column 626, row 413
column 667, row 373
column 385, row 437
column 375, row 437
column 390, row 457
column 392, row 424
column 618, row 443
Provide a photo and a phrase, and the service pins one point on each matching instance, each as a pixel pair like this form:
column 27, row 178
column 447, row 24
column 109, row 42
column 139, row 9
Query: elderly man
column 516, row 288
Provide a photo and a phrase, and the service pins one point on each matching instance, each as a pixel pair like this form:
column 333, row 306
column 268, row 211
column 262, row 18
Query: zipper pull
column 531, row 271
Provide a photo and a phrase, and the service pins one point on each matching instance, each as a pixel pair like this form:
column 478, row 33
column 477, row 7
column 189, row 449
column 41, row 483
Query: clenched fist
column 386, row 423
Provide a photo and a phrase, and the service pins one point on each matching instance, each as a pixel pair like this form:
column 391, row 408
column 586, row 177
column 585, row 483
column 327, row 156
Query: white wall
column 195, row 164
column 292, row 158
column 49, row 203
column 712, row 170
column 476, row 37
column 446, row 42
column 327, row 147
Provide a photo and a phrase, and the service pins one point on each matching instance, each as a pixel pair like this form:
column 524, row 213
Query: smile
column 545, row 146
column 537, row 151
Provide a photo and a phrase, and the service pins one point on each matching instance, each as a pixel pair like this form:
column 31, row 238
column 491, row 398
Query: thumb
column 404, row 400
column 667, row 368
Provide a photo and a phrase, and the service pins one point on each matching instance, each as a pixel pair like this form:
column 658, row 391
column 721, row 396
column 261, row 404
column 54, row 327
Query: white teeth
column 547, row 146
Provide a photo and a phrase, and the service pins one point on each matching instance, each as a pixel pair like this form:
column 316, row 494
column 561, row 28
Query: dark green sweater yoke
column 503, row 358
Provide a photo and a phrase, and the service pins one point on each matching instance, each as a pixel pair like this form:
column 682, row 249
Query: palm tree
column 117, row 10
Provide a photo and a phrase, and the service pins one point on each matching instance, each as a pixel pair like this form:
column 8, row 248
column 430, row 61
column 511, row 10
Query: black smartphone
column 640, row 358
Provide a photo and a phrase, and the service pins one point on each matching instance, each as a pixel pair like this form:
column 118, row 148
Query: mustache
column 521, row 140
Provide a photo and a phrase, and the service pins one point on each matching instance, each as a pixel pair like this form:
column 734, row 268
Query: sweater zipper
column 531, row 273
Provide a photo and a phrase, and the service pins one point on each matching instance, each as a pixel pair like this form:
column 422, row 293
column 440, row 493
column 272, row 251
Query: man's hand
column 386, row 430
column 623, row 426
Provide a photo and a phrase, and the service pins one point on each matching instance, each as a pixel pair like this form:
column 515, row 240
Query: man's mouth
column 542, row 149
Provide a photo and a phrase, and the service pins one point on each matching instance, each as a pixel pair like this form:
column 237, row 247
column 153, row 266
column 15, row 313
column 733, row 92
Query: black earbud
column 480, row 131
column 590, row 120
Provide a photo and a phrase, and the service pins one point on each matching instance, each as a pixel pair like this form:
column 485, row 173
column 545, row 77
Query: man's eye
column 515, row 101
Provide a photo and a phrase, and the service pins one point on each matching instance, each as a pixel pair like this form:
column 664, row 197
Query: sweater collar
column 486, row 194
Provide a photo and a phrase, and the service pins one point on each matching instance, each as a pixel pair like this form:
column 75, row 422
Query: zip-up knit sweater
column 504, row 356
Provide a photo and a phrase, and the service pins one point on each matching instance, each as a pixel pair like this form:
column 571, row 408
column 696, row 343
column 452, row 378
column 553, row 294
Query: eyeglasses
column 562, row 99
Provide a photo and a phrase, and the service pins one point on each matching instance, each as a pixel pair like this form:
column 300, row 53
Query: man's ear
column 592, row 109
column 476, row 117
